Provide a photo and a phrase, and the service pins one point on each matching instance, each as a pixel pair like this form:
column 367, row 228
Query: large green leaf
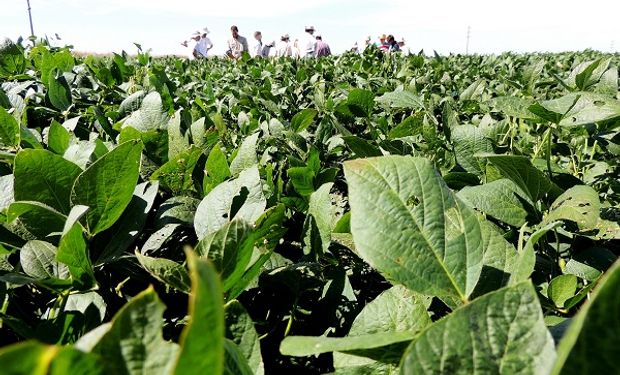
column 408, row 225
column 240, row 329
column 38, row 260
column 150, row 116
column 44, row 177
column 230, row 250
column 216, row 169
column 9, row 129
column 202, row 340
column 170, row 273
column 12, row 60
column 468, row 141
column 303, row 119
column 33, row 358
column 499, row 199
column 590, row 345
column 361, row 102
column 400, row 99
column 319, row 221
column 58, row 91
column 38, row 219
column 246, row 155
column 133, row 343
column 242, row 197
column 502, row 332
column 73, row 252
column 107, row 185
column 579, row 204
column 522, row 172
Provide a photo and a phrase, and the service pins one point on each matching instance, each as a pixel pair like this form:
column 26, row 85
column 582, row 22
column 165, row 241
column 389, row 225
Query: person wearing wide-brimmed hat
column 284, row 47
column 203, row 44
column 309, row 42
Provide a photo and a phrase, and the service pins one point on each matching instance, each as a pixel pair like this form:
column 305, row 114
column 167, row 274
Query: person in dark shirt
column 392, row 44
column 321, row 48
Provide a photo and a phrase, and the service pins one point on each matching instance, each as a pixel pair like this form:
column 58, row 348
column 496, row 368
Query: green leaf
column 319, row 221
column 202, row 340
column 44, row 177
column 499, row 198
column 561, row 289
column 230, row 250
column 107, row 185
column 395, row 310
column 590, row 344
column 242, row 197
column 400, row 99
column 72, row 251
column 170, row 273
column 579, row 204
column 246, row 156
column 234, row 361
column 240, row 329
column 133, row 343
column 150, row 116
column 303, row 119
column 474, row 90
column 58, row 138
column 38, row 219
column 217, row 170
column 361, row 148
column 410, row 126
column 520, row 170
column 176, row 175
column 408, row 225
column 589, row 108
column 301, row 346
column 9, row 129
column 468, row 141
column 38, row 260
column 178, row 139
column 526, row 260
column 514, row 106
column 361, row 102
column 33, row 358
column 502, row 332
column 58, row 91
column 12, row 60
column 129, row 226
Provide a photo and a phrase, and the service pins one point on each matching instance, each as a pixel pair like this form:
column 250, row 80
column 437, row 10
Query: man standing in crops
column 309, row 44
column 322, row 48
column 260, row 49
column 284, row 47
column 237, row 44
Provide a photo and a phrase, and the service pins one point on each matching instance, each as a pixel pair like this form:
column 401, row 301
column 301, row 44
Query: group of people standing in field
column 311, row 46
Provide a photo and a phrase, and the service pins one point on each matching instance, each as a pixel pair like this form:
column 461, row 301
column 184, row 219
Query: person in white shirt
column 260, row 49
column 284, row 47
column 203, row 46
column 237, row 44
column 309, row 43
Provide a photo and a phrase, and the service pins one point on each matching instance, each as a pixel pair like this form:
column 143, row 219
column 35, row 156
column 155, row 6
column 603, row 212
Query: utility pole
column 30, row 17
column 468, row 35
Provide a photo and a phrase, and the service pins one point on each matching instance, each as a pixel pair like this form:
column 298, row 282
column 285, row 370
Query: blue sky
column 496, row 26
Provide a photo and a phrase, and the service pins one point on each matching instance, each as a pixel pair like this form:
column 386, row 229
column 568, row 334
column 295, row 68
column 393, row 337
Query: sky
column 104, row 26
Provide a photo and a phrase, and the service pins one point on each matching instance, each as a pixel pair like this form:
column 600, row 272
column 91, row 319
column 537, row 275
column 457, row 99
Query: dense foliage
column 357, row 214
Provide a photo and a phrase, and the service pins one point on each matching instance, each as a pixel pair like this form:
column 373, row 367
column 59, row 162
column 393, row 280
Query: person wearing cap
column 261, row 49
column 237, row 44
column 383, row 46
column 322, row 48
column 284, row 47
column 309, row 43
column 203, row 45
